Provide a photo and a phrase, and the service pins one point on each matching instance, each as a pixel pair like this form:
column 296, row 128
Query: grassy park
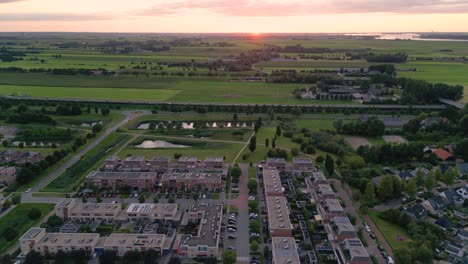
column 390, row 231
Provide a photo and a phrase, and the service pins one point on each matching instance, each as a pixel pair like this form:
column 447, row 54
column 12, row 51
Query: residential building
column 9, row 156
column 463, row 169
column 452, row 198
column 331, row 208
column 324, row 192
column 463, row 191
column 415, row 211
column 116, row 180
column 394, row 122
column 211, row 181
column 443, row 155
column 70, row 209
column 284, row 250
column 213, row 163
column 187, row 162
column 357, row 253
column 276, row 163
column 134, row 163
column 341, row 229
column 122, row 243
column 7, row 175
column 111, row 163
column 202, row 227
column 159, row 163
column 272, row 183
column 278, row 216
column 303, row 164
column 39, row 240
column 435, row 204
column 152, row 212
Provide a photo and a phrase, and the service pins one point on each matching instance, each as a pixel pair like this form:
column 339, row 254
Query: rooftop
column 342, row 224
column 187, row 159
column 356, row 249
column 276, row 160
column 214, row 159
column 278, row 212
column 157, row 208
column 302, row 160
column 173, row 175
column 121, row 175
column 284, row 250
column 96, row 207
column 442, row 154
column 325, row 189
column 135, row 240
column 333, row 205
column 272, row 181
column 32, row 233
column 156, row 158
column 134, row 158
column 210, row 225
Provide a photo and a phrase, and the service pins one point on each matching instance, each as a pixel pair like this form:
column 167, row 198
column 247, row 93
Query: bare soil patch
column 356, row 142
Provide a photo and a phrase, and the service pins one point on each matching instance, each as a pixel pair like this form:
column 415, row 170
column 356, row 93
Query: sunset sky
column 234, row 15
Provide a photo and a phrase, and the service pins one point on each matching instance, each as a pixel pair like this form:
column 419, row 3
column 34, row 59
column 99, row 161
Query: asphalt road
column 129, row 115
column 352, row 207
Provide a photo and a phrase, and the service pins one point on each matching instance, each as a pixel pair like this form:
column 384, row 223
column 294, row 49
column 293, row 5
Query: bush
column 10, row 233
column 34, row 213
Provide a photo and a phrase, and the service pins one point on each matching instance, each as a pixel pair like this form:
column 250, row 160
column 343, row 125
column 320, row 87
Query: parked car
column 232, row 236
column 231, row 230
column 381, row 248
column 251, row 198
column 367, row 228
column 232, row 248
column 372, row 236
column 254, row 235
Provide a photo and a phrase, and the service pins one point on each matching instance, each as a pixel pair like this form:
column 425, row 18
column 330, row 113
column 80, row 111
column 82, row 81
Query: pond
column 150, row 144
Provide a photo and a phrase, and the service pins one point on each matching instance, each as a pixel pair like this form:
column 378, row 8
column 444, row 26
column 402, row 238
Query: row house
column 7, row 175
column 116, row 180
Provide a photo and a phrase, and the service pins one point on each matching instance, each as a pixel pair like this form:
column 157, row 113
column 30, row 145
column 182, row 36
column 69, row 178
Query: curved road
column 129, row 115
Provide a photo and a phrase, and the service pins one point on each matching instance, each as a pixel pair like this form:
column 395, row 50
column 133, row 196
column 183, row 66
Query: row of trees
column 371, row 127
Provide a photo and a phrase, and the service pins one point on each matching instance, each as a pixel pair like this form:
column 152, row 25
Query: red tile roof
column 442, row 154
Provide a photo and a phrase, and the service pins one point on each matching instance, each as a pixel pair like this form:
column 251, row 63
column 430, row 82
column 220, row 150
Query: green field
column 200, row 149
column 89, row 93
column 17, row 218
column 444, row 72
column 389, row 231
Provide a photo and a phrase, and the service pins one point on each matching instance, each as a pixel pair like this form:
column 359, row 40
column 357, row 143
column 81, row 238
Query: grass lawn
column 444, row 72
column 252, row 173
column 71, row 178
column 389, row 230
column 200, row 149
column 17, row 218
column 316, row 124
column 90, row 92
column 375, row 141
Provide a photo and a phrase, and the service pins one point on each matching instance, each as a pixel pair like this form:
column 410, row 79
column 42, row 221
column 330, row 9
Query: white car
column 28, row 190
column 251, row 198
column 231, row 230
column 367, row 228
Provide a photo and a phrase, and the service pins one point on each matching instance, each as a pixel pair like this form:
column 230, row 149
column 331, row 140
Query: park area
column 16, row 222
column 394, row 235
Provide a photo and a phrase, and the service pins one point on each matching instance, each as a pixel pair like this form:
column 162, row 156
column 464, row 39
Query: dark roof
column 417, row 211
column 444, row 222
column 463, row 168
column 453, row 196
column 438, row 203
column 405, row 174
column 394, row 122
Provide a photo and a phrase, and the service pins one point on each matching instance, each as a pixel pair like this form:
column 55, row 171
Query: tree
column 254, row 246
column 319, row 159
column 33, row 257
column 430, row 181
column 252, row 185
column 403, row 256
column 141, row 198
column 369, row 195
column 449, row 177
column 174, row 260
column 131, row 257
column 9, row 233
column 411, row 188
column 267, row 142
column 34, row 213
column 254, row 226
column 253, row 144
column 438, row 174
column 60, row 257
column 229, row 257
column 5, row 259
column 54, row 221
column 278, row 131
column 150, row 256
column 397, row 188
column 329, row 165
column 79, row 256
column 419, row 177
column 97, row 128
column 294, row 152
column 424, row 253
column 108, row 257
column 16, row 199
column 386, row 188
column 273, row 143
column 463, row 124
